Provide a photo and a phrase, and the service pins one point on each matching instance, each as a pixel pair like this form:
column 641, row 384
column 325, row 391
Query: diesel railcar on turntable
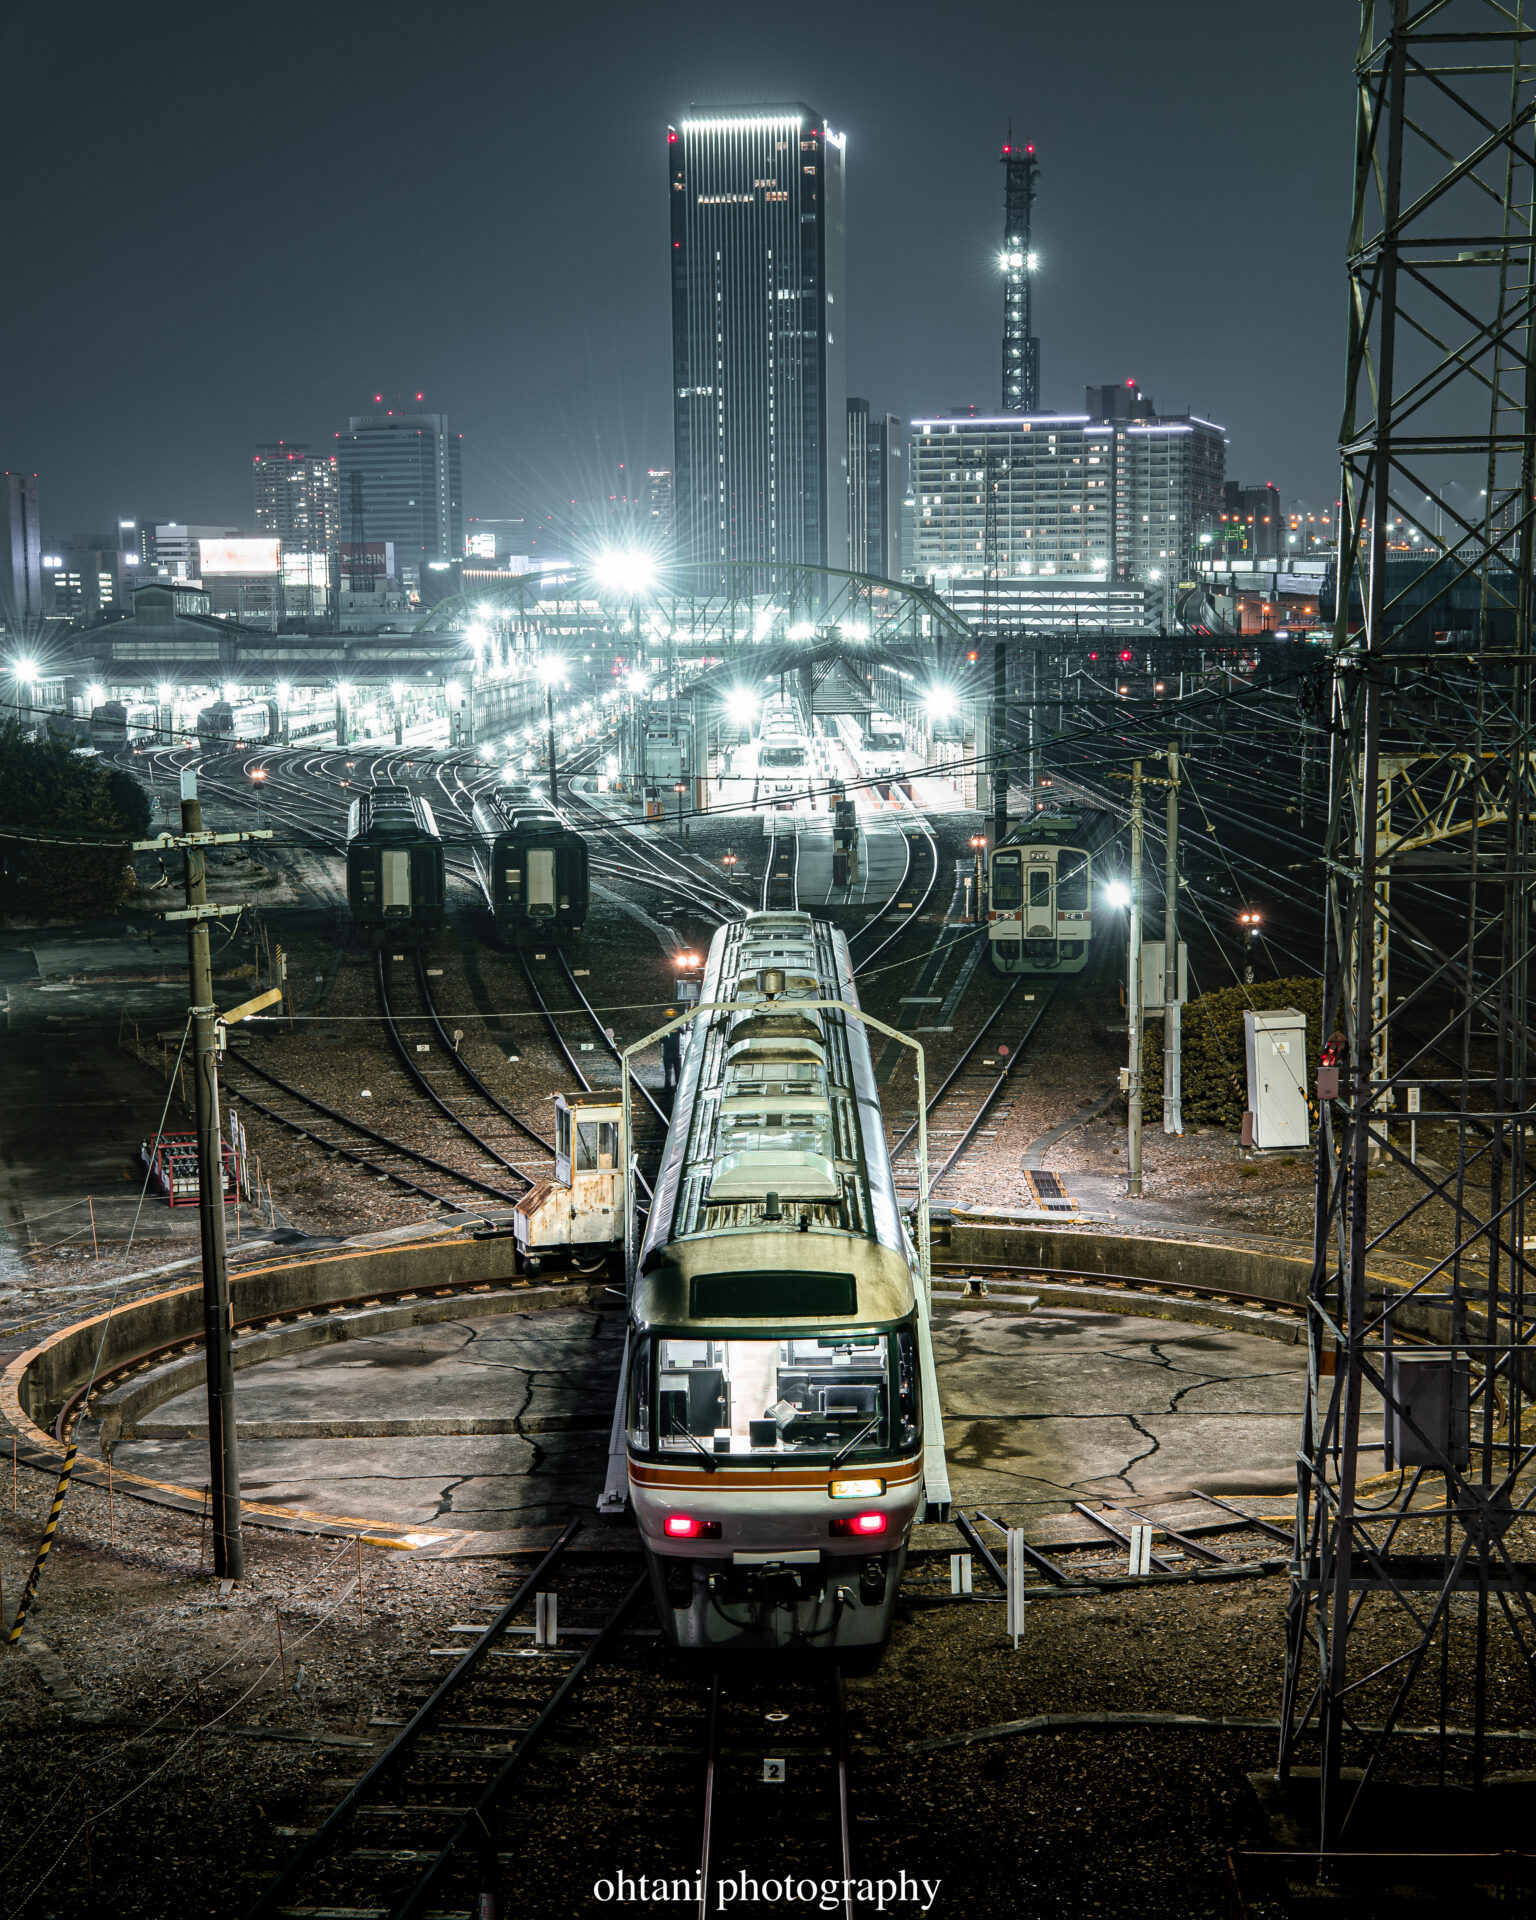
column 396, row 875
column 1040, row 891
column 779, row 1358
column 531, row 866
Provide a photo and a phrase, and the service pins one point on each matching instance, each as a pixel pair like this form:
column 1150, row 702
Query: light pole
column 551, row 669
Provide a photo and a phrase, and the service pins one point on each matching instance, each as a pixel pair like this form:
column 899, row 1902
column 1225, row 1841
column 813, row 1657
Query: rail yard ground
column 164, row 1746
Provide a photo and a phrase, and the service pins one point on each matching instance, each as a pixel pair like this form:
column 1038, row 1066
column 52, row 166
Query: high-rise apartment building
column 297, row 496
column 411, row 489
column 1120, row 499
column 758, row 319
column 21, row 556
column 874, row 491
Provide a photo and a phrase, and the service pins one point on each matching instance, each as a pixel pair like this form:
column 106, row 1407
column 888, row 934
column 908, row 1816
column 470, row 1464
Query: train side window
column 597, row 1146
column 562, row 1133
column 1007, row 883
column 906, row 1381
column 1039, row 886
column 640, row 1395
column 1072, row 882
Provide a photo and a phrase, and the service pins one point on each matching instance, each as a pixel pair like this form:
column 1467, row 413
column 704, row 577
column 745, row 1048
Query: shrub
column 1212, row 1054
column 46, row 785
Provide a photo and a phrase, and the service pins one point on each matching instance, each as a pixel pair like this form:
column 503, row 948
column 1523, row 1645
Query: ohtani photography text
column 747, row 1889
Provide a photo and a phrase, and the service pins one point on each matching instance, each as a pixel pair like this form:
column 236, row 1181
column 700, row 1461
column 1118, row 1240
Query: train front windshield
column 781, row 757
column 808, row 1394
column 1007, row 882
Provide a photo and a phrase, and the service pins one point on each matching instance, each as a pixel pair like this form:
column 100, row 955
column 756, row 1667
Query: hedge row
column 1215, row 1071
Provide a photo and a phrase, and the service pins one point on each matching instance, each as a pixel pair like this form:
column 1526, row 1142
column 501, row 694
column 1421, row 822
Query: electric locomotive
column 779, row 1378
column 396, row 878
column 531, row 866
column 1040, row 891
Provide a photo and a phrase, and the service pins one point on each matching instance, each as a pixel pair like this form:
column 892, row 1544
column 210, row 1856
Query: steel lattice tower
column 1411, row 1628
column 1021, row 350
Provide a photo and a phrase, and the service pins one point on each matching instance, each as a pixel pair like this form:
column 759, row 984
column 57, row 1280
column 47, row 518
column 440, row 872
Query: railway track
column 781, row 875
column 805, row 1763
column 388, row 1159
column 914, row 905
column 973, row 1086
column 421, row 1832
column 601, row 1047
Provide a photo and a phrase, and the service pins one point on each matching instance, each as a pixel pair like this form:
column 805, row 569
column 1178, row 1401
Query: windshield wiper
column 710, row 1462
column 843, row 1452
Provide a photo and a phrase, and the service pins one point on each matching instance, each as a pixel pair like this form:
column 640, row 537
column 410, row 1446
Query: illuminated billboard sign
column 306, row 570
column 237, row 556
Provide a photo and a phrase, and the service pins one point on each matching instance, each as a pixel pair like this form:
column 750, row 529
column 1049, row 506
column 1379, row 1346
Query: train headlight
column 856, row 1489
column 683, row 1526
column 862, row 1524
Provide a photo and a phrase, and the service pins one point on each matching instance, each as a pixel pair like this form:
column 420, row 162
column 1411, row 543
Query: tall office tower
column 658, row 504
column 1021, row 350
column 298, row 496
column 758, row 318
column 411, row 490
column 1251, row 526
column 21, row 556
column 874, row 491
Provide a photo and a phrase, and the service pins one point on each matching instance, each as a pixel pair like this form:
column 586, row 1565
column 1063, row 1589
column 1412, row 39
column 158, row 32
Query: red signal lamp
column 683, row 1526
column 861, row 1524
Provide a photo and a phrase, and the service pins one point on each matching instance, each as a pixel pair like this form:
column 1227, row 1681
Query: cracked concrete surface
column 1040, row 1409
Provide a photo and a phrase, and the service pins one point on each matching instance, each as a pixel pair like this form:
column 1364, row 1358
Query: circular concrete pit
column 501, row 1421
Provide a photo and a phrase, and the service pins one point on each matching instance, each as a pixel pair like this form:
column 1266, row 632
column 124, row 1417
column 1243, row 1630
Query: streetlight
column 680, row 787
column 551, row 670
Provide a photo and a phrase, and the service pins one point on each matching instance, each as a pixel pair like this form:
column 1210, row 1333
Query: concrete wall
column 37, row 1383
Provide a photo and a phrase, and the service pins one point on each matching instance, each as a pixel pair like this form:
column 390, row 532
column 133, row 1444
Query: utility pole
column 218, row 1317
column 1173, row 1088
column 999, row 742
column 1133, row 996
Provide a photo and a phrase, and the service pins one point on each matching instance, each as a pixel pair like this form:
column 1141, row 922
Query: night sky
column 225, row 226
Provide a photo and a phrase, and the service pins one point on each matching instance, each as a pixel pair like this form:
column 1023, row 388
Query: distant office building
column 89, row 578
column 410, row 488
column 1121, row 499
column 658, row 505
column 21, row 556
column 176, row 548
column 874, row 491
column 758, row 317
column 297, row 496
column 1251, row 525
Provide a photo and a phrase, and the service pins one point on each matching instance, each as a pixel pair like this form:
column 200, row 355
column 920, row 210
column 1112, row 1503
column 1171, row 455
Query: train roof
column 502, row 811
column 776, row 1097
column 1067, row 826
column 390, row 813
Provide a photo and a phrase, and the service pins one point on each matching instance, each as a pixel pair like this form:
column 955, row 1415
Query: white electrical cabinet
column 1154, row 985
column 1276, row 1044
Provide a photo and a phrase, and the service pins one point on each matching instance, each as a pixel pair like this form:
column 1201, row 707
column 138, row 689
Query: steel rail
column 323, row 1841
column 989, row 1096
column 415, row 1072
column 463, row 1065
column 358, row 1126
column 476, row 1827
column 570, row 980
column 960, row 1065
column 898, row 933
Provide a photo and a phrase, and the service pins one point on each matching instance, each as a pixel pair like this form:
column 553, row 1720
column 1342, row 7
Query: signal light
column 862, row 1524
column 1126, row 655
column 683, row 1526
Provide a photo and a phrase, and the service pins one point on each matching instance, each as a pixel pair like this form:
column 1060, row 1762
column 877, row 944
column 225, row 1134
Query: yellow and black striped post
column 47, row 1541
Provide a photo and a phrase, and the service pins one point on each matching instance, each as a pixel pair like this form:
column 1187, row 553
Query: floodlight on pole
column 940, row 702
column 1117, row 894
column 629, row 571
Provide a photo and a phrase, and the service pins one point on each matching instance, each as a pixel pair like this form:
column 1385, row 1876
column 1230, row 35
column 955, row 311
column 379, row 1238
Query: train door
column 541, row 883
column 395, row 868
column 1040, row 904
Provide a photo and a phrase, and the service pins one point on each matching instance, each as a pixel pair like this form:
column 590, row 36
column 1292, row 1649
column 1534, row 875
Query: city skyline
column 514, row 270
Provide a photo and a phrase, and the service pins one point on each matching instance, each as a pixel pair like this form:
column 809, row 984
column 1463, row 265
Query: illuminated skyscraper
column 21, row 556
column 297, row 497
column 410, row 491
column 758, row 315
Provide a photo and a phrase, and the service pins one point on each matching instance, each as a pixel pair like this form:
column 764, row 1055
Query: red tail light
column 860, row 1523
column 682, row 1526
